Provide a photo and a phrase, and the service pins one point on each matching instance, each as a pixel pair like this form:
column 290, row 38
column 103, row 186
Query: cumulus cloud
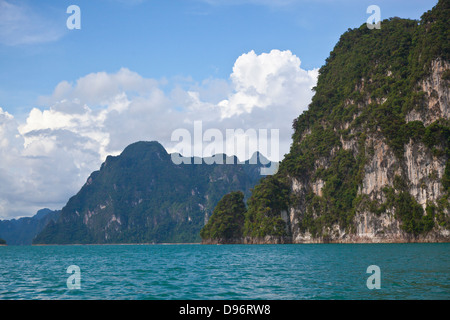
column 262, row 81
column 48, row 157
column 41, row 169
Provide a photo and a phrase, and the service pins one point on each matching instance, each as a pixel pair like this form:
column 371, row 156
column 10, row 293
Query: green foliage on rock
column 336, row 205
column 268, row 199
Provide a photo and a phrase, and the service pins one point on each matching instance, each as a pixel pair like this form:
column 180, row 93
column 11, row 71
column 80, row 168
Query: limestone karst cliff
column 369, row 161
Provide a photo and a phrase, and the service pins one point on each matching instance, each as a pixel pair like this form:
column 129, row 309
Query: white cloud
column 40, row 168
column 268, row 80
column 47, row 158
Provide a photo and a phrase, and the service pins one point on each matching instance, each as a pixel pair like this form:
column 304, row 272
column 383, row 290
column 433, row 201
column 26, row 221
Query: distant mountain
column 22, row 231
column 141, row 196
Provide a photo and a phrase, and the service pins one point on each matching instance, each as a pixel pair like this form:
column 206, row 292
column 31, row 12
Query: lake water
column 189, row 271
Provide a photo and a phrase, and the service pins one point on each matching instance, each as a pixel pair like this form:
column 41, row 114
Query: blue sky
column 173, row 38
column 142, row 69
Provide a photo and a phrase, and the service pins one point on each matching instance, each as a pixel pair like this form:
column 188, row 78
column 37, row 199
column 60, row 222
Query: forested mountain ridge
column 141, row 196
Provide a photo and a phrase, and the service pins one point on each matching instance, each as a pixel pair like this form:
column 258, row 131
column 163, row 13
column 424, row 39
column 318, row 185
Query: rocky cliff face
column 401, row 196
column 422, row 170
column 435, row 87
column 369, row 160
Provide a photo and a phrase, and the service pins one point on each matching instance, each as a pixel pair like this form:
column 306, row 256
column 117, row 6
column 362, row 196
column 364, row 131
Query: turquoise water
column 322, row 271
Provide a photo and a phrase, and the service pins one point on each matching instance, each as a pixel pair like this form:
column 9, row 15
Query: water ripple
column 408, row 271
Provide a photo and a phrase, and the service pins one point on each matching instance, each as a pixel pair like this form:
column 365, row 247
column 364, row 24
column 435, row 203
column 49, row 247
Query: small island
column 226, row 222
column 2, row 242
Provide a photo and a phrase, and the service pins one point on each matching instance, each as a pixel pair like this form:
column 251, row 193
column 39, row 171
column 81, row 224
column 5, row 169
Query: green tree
column 227, row 220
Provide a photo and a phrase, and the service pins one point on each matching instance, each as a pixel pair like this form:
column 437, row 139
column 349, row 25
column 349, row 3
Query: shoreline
column 326, row 243
column 326, row 240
